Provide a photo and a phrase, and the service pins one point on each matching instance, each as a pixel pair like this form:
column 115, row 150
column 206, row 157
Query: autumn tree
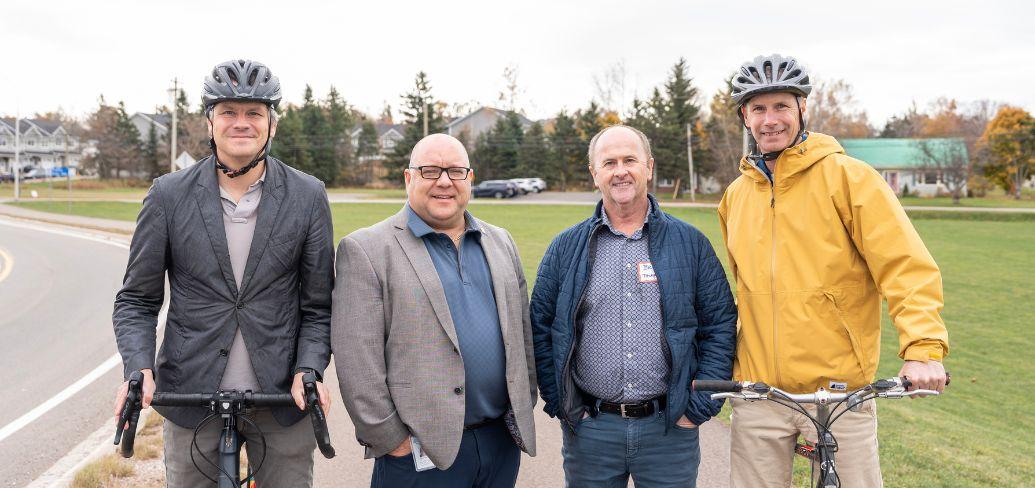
column 831, row 109
column 1009, row 145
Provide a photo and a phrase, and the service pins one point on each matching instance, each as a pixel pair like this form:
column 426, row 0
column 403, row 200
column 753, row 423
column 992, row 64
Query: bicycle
column 228, row 406
column 826, row 445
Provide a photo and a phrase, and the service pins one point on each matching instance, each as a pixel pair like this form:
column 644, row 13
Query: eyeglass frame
column 420, row 171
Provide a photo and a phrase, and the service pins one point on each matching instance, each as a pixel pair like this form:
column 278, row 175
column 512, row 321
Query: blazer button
column 240, row 306
column 223, row 352
column 458, row 390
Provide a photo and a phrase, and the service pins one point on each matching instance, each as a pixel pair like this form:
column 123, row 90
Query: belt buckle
column 621, row 407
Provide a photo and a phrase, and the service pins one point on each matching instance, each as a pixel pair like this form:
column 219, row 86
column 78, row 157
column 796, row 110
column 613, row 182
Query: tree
column 909, row 124
column 413, row 110
column 512, row 91
column 116, row 139
column 367, row 148
column 722, row 138
column 948, row 158
column 341, row 121
column 1009, row 143
column 496, row 150
column 831, row 110
column 534, row 153
column 610, row 87
column 291, row 143
column 567, row 153
column 150, row 154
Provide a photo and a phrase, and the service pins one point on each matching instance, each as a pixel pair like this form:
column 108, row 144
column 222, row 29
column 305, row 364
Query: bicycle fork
column 229, row 453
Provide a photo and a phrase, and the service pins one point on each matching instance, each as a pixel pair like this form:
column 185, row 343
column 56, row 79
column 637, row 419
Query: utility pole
column 172, row 129
column 690, row 158
column 17, row 155
column 425, row 117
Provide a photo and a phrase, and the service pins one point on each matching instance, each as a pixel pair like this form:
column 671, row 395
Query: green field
column 977, row 435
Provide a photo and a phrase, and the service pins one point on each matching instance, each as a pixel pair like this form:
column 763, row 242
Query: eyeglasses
column 435, row 172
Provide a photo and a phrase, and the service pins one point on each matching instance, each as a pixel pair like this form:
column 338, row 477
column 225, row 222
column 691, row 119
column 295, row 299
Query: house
column 44, row 144
column 388, row 136
column 472, row 125
column 143, row 122
column 901, row 162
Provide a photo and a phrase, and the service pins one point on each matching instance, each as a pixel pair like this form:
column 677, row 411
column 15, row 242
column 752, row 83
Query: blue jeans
column 608, row 449
column 488, row 458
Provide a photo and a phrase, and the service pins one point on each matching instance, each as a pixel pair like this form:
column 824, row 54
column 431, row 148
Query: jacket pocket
column 852, row 338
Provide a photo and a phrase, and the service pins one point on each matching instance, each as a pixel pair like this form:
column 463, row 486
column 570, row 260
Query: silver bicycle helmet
column 766, row 74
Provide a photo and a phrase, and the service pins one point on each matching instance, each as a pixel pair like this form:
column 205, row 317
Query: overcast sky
column 65, row 53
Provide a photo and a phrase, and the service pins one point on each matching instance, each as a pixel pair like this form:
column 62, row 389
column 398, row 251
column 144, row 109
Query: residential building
column 44, row 144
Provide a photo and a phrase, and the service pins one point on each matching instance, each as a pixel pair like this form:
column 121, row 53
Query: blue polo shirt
column 467, row 282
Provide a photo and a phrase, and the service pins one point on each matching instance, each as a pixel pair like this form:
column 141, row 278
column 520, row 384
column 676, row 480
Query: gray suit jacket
column 395, row 346
column 283, row 305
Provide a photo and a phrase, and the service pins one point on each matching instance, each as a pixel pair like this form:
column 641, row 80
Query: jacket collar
column 795, row 159
column 653, row 211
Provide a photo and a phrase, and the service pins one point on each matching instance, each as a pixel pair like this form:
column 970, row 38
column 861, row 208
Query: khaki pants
column 763, row 436
column 289, row 455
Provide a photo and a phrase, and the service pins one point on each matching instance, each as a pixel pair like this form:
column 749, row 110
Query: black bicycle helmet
column 242, row 80
column 766, row 74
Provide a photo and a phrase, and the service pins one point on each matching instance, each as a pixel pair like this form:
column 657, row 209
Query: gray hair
column 643, row 141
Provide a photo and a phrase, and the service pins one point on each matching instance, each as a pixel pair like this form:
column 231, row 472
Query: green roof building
column 901, row 162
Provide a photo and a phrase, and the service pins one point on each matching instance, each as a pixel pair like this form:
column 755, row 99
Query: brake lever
column 130, row 414
column 903, row 393
column 312, row 401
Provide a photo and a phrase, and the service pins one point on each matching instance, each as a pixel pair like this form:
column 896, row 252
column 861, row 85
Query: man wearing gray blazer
column 431, row 335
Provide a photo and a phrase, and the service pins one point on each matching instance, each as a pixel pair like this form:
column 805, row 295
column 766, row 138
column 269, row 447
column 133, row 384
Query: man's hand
column 403, row 449
column 686, row 423
column 147, row 390
column 924, row 375
column 298, row 393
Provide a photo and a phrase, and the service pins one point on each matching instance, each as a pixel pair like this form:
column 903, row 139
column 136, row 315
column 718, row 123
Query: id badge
column 421, row 461
column 645, row 272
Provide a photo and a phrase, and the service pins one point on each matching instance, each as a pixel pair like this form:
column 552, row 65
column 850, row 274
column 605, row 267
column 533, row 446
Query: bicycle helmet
column 770, row 74
column 241, row 80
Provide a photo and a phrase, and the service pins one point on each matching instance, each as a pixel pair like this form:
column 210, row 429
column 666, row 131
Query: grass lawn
column 975, row 436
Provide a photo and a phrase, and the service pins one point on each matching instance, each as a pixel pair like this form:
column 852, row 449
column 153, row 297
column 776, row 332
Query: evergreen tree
column 150, row 155
column 413, row 110
column 367, row 148
column 318, row 132
column 291, row 144
column 567, row 161
column 534, row 153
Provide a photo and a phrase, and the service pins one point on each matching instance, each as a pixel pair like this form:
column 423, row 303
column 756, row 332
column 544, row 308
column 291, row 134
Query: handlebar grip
column 168, row 399
column 130, row 414
column 717, row 386
column 271, row 400
column 312, row 401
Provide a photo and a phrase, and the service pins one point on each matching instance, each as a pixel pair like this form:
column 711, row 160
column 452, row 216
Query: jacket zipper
column 565, row 375
column 772, row 282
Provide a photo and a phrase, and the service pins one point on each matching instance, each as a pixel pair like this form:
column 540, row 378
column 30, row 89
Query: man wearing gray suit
column 247, row 246
column 431, row 335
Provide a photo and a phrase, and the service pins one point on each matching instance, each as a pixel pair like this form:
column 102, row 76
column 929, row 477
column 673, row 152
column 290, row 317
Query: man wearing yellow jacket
column 815, row 240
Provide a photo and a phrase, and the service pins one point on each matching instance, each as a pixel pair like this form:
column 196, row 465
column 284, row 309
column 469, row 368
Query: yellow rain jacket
column 813, row 254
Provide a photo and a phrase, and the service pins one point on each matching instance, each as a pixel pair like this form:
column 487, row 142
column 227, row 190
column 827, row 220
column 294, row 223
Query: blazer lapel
column 498, row 262
column 419, row 258
column 207, row 197
column 269, row 206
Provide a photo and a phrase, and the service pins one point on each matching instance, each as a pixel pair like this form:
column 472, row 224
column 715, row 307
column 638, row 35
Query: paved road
column 55, row 327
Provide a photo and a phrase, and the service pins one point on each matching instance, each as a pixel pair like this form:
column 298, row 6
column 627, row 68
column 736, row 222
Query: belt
column 483, row 423
column 626, row 410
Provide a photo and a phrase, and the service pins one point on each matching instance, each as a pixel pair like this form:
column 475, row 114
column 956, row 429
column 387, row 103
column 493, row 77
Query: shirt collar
column 420, row 228
column 634, row 235
column 253, row 187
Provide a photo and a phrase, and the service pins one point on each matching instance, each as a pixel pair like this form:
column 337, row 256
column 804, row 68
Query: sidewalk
column 103, row 225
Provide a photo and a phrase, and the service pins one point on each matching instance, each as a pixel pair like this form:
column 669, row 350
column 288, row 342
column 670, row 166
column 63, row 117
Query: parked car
column 33, row 174
column 530, row 185
column 524, row 186
column 495, row 189
column 4, row 177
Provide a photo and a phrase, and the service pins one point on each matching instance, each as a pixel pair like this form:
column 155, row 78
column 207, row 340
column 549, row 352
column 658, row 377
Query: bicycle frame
column 826, row 403
column 228, row 406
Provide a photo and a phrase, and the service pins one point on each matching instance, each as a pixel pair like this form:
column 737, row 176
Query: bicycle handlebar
column 223, row 402
column 887, row 388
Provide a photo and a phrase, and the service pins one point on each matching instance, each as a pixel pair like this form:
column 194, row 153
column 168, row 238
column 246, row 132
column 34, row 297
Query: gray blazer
column 396, row 352
column 283, row 306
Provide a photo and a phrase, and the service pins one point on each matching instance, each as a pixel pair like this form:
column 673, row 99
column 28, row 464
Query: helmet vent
column 251, row 77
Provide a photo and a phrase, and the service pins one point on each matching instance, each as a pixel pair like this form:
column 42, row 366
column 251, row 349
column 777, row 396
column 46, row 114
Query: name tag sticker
column 421, row 461
column 838, row 386
column 645, row 272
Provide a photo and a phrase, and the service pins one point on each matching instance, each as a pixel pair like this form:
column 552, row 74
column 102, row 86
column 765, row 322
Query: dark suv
column 495, row 189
